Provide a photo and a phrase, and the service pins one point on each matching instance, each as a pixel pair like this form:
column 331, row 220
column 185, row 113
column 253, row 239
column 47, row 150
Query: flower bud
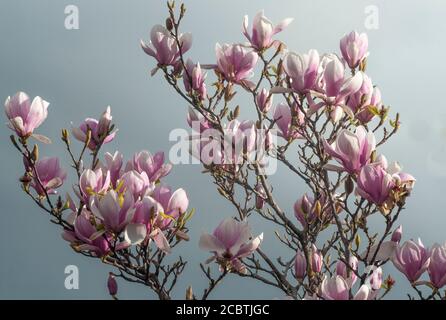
column 112, row 285
column 300, row 265
column 396, row 235
column 189, row 293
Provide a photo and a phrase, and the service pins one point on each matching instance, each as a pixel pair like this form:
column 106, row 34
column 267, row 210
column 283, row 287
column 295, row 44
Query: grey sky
column 82, row 71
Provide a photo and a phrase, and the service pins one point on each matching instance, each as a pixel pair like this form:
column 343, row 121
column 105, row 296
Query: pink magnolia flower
column 437, row 265
column 115, row 209
column 235, row 62
column 163, row 47
column 351, row 150
column 113, row 164
column 397, row 234
column 354, row 48
column 375, row 279
column 367, row 96
column 197, row 123
column 317, row 259
column 172, row 204
column 283, row 117
column 230, row 242
column 264, row 100
column 99, row 130
column 146, row 224
column 138, row 184
column 112, row 285
column 302, row 70
column 93, row 182
column 375, row 184
column 400, row 178
column 25, row 116
column 412, row 259
column 50, row 175
column 260, row 198
column 194, row 78
column 86, row 237
column 300, row 265
column 342, row 270
column 335, row 288
column 335, row 89
column 153, row 166
column 263, row 30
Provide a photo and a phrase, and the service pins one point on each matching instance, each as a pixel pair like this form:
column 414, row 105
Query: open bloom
column 94, row 182
column 335, row 87
column 351, row 150
column 235, row 62
column 284, row 120
column 99, row 130
column 437, row 265
column 50, row 176
column 412, row 259
column 375, row 184
column 138, row 184
column 164, row 48
column 25, row 116
column 354, row 48
column 194, row 78
column 115, row 209
column 86, row 237
column 230, row 242
column 153, row 165
column 263, row 30
column 154, row 214
column 302, row 70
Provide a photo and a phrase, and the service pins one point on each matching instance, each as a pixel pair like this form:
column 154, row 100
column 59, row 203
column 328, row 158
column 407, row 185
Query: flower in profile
column 25, row 115
column 193, row 79
column 230, row 242
column 335, row 288
column 375, row 184
column 354, row 48
column 284, row 120
column 263, row 30
column 163, row 46
column 50, row 176
column 412, row 259
column 303, row 70
column 96, row 131
column 235, row 62
column 437, row 265
column 351, row 150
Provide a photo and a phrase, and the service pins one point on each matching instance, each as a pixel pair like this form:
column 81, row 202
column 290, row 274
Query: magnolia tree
column 325, row 127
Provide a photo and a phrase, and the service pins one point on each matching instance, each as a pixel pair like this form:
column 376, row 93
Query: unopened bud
column 349, row 185
column 35, row 153
column 357, row 240
column 396, row 235
column 65, row 135
column 112, row 285
column 169, row 24
column 189, row 293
